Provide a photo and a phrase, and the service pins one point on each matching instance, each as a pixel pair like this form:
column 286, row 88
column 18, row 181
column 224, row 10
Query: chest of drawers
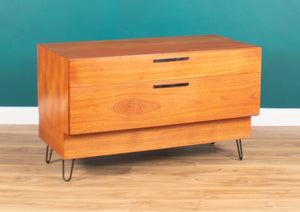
column 108, row 97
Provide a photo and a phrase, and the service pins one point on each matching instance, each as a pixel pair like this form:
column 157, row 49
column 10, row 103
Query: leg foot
column 212, row 143
column 239, row 148
column 48, row 155
column 63, row 171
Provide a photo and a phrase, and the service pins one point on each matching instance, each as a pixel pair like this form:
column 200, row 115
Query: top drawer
column 137, row 68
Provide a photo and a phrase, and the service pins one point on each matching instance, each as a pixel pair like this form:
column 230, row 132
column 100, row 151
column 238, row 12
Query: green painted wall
column 272, row 24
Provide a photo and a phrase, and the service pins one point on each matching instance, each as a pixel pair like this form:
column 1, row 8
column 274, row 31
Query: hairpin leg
column 63, row 171
column 48, row 155
column 239, row 148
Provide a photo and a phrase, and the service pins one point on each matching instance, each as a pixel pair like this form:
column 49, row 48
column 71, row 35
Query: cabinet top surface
column 143, row 46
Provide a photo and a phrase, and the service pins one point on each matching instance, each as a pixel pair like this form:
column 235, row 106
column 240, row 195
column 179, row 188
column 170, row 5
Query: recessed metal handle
column 171, row 85
column 170, row 59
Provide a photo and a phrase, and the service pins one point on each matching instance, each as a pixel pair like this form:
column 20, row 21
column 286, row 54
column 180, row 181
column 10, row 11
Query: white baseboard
column 19, row 115
column 277, row 117
column 267, row 117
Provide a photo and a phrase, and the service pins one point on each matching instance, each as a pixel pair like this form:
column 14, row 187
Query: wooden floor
column 196, row 178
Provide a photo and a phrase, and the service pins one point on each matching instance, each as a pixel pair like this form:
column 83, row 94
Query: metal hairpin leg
column 48, row 155
column 48, row 159
column 63, row 170
column 239, row 148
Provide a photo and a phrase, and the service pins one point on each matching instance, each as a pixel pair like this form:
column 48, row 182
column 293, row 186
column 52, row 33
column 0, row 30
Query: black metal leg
column 212, row 143
column 63, row 171
column 48, row 155
column 239, row 148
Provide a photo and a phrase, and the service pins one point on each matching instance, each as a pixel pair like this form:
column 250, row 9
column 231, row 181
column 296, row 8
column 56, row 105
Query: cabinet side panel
column 108, row 143
column 52, row 136
column 52, row 89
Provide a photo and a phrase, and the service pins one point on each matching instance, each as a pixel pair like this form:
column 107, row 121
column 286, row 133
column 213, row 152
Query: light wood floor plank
column 195, row 178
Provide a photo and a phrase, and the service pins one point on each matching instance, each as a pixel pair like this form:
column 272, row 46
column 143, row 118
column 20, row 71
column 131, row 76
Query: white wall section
column 267, row 117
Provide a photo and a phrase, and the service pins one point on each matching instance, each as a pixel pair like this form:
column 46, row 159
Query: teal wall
column 272, row 24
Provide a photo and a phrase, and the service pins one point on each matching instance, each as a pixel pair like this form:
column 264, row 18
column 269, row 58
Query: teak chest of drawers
column 108, row 97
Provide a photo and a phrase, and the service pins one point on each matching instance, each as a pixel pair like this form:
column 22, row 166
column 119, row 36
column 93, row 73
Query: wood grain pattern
column 138, row 105
column 108, row 70
column 96, row 88
column 52, row 136
column 143, row 46
column 53, row 93
column 194, row 178
column 117, row 142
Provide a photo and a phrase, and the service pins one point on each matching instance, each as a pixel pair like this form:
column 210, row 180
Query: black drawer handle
column 171, row 85
column 170, row 59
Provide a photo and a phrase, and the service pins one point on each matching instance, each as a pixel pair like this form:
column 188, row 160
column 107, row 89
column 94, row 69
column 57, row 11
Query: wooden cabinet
column 108, row 97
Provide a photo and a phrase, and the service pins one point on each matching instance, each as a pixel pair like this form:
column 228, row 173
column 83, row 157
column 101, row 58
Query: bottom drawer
column 146, row 104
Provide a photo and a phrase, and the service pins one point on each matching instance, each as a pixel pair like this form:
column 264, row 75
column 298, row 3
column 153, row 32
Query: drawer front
column 156, row 103
column 107, row 70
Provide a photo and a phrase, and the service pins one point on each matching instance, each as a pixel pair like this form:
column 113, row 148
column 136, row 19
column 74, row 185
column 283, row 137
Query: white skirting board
column 19, row 115
column 277, row 117
column 267, row 117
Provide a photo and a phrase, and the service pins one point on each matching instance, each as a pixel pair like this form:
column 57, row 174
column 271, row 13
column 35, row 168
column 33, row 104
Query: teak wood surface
column 144, row 46
column 195, row 178
column 138, row 68
column 53, row 96
column 138, row 105
column 125, row 141
column 95, row 89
